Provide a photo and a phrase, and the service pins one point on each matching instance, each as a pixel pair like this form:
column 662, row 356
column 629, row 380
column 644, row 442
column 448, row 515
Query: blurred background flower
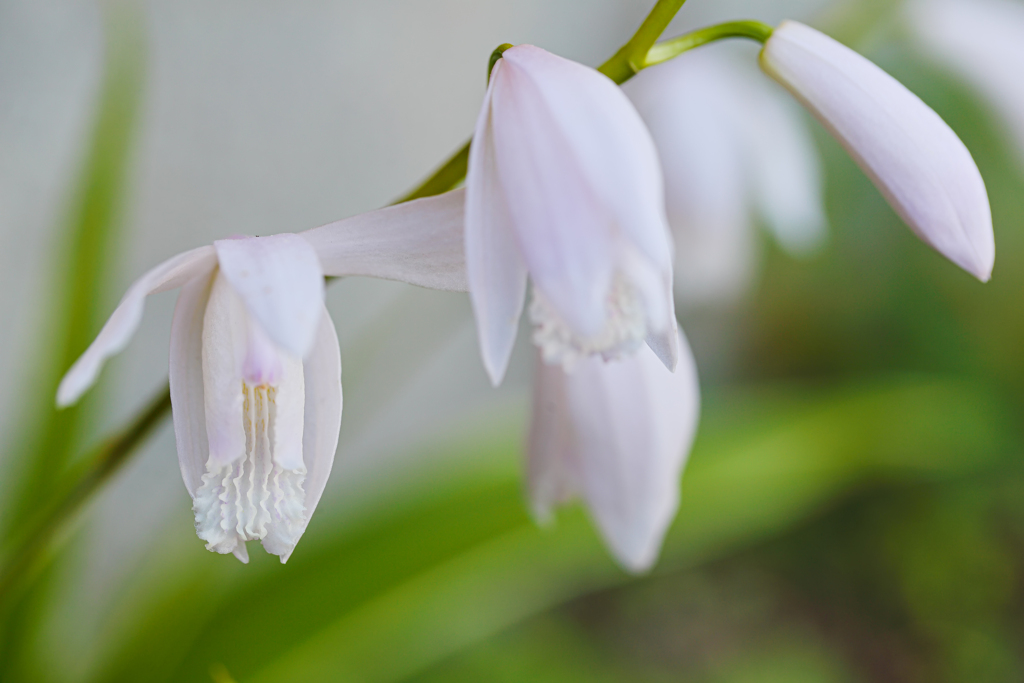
column 852, row 507
column 736, row 153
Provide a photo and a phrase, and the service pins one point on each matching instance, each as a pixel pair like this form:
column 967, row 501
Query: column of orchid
column 564, row 205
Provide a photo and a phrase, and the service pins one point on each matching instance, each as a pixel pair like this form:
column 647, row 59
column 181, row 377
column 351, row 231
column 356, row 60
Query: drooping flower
column 255, row 367
column 913, row 157
column 564, row 188
column 617, row 434
column 735, row 153
column 982, row 41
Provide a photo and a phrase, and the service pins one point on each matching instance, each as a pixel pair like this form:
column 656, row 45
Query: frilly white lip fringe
column 564, row 187
column 617, row 434
column 255, row 367
column 915, row 159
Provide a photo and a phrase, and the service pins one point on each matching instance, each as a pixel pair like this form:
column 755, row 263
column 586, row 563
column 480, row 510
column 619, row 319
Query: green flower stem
column 495, row 56
column 443, row 179
column 662, row 52
column 630, row 58
column 75, row 490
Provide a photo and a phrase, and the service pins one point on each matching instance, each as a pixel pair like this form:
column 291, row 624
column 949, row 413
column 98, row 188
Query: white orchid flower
column 255, row 367
column 564, row 187
column 617, row 434
column 982, row 41
column 735, row 152
column 915, row 159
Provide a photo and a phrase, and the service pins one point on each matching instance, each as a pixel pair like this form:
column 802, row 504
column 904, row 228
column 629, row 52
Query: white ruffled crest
column 253, row 485
column 617, row 434
column 913, row 157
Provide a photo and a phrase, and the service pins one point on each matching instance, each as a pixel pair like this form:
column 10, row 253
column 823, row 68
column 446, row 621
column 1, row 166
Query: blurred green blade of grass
column 85, row 262
column 88, row 247
column 464, row 562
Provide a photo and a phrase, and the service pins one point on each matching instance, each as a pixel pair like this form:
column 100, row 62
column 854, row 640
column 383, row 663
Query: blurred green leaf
column 464, row 562
column 87, row 250
column 88, row 247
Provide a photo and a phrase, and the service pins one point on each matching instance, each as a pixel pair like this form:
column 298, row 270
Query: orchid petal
column 618, row 434
column 656, row 290
column 552, row 470
column 188, row 405
column 289, row 408
column 241, row 553
column 280, row 279
column 322, row 414
column 607, row 140
column 495, row 269
column 225, row 336
column 565, row 233
column 123, row 322
column 665, row 345
column 418, row 242
column 916, row 161
column 706, row 175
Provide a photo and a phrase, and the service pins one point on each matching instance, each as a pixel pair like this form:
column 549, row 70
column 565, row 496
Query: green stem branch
column 629, row 60
column 664, row 51
column 30, row 544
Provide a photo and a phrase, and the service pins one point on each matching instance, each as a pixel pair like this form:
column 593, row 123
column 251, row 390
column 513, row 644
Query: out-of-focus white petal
column 495, row 269
column 322, row 414
column 665, row 344
column 692, row 107
column 784, row 167
column 552, row 467
column 188, row 405
column 122, row 323
column 980, row 40
column 225, row 336
column 280, row 279
column 618, row 434
column 656, row 291
column 919, row 164
column 420, row 242
column 731, row 146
